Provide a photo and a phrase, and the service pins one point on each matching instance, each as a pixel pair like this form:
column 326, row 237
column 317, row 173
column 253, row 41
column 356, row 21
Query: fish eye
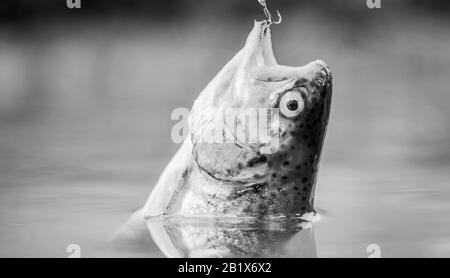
column 292, row 104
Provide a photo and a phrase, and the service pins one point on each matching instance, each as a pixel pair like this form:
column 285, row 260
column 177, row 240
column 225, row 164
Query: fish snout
column 322, row 74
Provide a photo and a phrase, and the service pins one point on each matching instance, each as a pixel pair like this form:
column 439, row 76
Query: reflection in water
column 236, row 238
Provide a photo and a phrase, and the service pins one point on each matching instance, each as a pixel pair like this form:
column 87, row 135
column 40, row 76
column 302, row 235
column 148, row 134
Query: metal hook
column 269, row 17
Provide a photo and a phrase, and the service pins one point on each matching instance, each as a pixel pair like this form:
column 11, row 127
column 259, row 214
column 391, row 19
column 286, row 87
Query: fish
column 270, row 178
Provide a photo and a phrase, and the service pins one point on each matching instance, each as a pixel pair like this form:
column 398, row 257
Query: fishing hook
column 269, row 18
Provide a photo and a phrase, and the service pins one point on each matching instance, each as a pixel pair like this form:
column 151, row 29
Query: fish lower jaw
column 231, row 183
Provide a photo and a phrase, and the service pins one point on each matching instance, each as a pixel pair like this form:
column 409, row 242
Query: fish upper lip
column 325, row 70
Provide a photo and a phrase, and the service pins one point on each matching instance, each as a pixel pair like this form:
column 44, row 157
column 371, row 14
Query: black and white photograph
column 227, row 129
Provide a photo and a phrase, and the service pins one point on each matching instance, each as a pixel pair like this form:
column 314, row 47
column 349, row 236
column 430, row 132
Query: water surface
column 85, row 132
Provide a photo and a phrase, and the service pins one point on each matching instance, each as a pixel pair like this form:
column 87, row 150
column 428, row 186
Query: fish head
column 294, row 104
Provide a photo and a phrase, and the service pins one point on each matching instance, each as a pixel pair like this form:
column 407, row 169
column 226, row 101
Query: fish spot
column 286, row 163
column 256, row 160
column 304, row 180
column 284, row 177
column 274, row 175
column 297, row 167
column 296, row 188
column 257, row 188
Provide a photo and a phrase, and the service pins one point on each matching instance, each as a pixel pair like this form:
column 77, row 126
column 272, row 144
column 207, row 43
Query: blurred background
column 86, row 97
